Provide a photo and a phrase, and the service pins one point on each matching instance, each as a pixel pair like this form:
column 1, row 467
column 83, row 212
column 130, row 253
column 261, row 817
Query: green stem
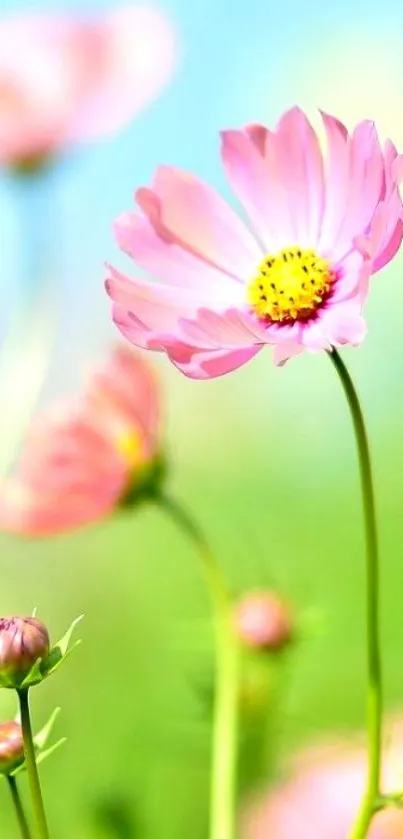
column 374, row 677
column 18, row 806
column 30, row 759
column 224, row 749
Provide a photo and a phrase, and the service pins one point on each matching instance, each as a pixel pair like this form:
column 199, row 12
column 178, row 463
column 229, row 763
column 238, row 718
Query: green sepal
column 60, row 651
column 57, row 654
column 34, row 676
column 47, row 752
column 42, row 737
column 145, row 483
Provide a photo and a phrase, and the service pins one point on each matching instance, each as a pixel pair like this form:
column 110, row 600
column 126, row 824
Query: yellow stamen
column 128, row 443
column 290, row 285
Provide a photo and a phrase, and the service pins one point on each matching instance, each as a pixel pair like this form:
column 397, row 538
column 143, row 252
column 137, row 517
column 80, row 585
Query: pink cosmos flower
column 83, row 457
column 321, row 799
column 321, row 227
column 66, row 79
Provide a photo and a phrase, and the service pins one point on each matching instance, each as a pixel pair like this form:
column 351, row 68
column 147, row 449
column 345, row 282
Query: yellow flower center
column 290, row 285
column 129, row 446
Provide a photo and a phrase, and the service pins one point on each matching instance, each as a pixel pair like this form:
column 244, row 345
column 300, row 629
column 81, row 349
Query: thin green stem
column 18, row 807
column 224, row 748
column 32, row 769
column 374, row 669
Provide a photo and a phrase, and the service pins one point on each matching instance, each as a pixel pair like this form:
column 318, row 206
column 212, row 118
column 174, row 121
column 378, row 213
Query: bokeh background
column 265, row 457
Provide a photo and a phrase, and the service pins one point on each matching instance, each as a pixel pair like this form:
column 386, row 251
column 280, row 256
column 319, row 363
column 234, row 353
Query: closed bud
column 11, row 747
column 263, row 621
column 23, row 642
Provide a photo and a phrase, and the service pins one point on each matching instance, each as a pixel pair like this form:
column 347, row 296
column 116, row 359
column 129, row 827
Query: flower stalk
column 372, row 795
column 18, row 807
column 32, row 769
column 224, row 748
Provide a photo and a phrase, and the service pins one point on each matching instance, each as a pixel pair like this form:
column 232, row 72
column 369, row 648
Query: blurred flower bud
column 11, row 747
column 23, row 641
column 263, row 621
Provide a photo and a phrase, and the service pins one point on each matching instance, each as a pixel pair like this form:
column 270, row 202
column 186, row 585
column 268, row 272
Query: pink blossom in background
column 65, row 78
column 322, row 797
column 81, row 457
column 296, row 280
column 263, row 620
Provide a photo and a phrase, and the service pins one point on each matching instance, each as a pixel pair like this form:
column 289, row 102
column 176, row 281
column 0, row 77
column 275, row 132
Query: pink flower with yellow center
column 321, row 225
column 83, row 458
column 65, row 78
column 321, row 798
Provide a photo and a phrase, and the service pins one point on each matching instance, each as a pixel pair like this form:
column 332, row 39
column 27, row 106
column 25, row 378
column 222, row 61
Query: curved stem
column 374, row 683
column 224, row 749
column 30, row 759
column 18, row 806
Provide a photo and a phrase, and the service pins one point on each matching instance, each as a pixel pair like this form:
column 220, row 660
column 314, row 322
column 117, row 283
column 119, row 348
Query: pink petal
column 199, row 364
column 123, row 395
column 258, row 134
column 355, row 271
column 218, row 330
column 397, row 172
column 198, row 219
column 384, row 236
column 298, row 160
column 159, row 307
column 132, row 328
column 257, row 185
column 194, row 361
column 338, row 325
column 162, row 256
column 132, row 53
column 354, row 184
column 69, row 475
column 390, row 244
column 286, row 350
column 39, row 514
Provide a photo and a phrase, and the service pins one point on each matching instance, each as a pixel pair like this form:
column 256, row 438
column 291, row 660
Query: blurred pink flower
column 65, row 79
column 263, row 620
column 321, row 799
column 321, row 228
column 82, row 458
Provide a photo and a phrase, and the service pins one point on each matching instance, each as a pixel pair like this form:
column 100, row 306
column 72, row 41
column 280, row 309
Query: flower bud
column 22, row 642
column 263, row 621
column 11, row 747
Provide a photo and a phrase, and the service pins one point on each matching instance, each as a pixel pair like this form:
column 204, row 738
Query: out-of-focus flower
column 263, row 621
column 321, row 227
column 11, row 747
column 322, row 798
column 65, row 78
column 85, row 457
column 22, row 642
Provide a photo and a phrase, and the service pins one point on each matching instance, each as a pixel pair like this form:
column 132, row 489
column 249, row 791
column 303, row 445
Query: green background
column 265, row 459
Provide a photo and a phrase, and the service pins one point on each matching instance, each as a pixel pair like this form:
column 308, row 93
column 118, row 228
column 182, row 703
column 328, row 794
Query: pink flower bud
column 22, row 642
column 263, row 621
column 11, row 747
